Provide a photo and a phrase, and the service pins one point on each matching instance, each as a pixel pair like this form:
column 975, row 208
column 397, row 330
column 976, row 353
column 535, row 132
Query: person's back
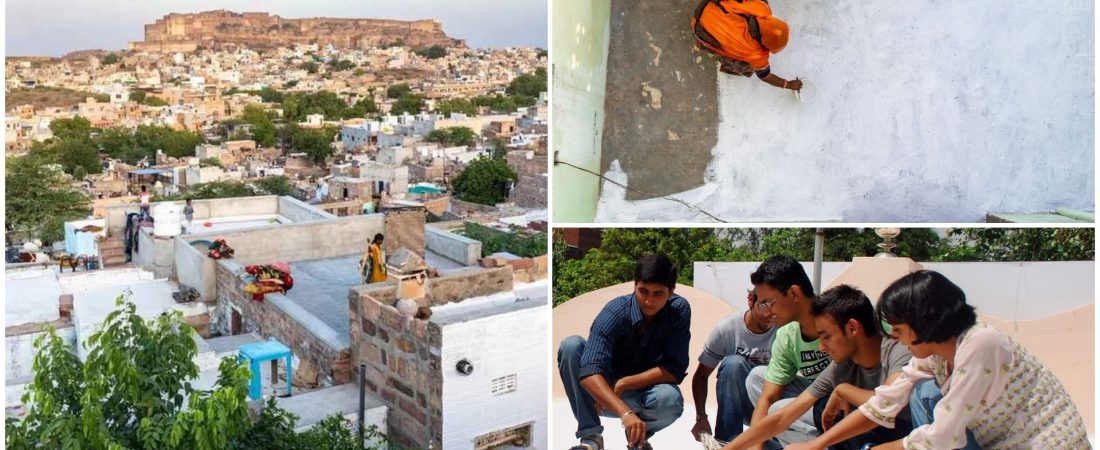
column 728, row 30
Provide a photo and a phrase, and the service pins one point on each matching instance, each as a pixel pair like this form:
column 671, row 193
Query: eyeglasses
column 765, row 305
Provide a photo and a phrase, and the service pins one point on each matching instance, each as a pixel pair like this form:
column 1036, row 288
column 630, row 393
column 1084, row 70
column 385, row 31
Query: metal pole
column 819, row 254
column 362, row 403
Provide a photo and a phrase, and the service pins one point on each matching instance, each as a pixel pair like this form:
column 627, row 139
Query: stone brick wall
column 437, row 206
column 524, row 270
column 463, row 208
column 530, row 191
column 318, row 361
column 468, row 284
column 518, row 162
column 405, row 228
column 402, row 358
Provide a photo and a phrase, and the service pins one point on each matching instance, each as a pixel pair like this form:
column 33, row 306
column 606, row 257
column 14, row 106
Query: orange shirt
column 732, row 31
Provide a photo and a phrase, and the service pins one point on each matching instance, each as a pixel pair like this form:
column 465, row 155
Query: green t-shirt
column 794, row 357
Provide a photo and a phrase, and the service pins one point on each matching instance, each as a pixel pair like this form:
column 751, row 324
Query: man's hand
column 794, row 85
column 635, row 430
column 833, row 408
column 702, row 425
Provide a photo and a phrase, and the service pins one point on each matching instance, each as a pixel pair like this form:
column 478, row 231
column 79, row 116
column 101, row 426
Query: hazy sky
column 56, row 27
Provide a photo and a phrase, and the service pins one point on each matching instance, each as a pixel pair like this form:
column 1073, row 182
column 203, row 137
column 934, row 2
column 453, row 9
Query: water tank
column 167, row 219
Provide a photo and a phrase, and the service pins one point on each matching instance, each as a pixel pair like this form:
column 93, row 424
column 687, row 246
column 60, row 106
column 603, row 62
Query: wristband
column 626, row 414
column 784, row 84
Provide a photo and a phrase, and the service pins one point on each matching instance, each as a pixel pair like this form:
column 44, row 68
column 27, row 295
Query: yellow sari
column 373, row 266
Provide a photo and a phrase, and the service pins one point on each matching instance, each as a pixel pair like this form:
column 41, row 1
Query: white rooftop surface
column 32, row 296
column 231, row 223
column 525, row 295
column 151, row 298
column 925, row 111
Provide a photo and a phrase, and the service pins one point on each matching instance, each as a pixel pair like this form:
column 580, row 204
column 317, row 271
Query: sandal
column 593, row 442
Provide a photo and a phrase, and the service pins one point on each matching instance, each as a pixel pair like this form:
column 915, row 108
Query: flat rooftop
column 522, row 296
column 321, row 288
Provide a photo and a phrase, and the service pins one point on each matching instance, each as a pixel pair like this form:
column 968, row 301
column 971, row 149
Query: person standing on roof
column 742, row 34
column 145, row 197
column 373, row 265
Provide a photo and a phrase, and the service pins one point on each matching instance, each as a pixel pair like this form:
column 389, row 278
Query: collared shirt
column 619, row 344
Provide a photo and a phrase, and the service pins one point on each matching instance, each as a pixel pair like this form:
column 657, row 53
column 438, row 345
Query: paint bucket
column 807, row 93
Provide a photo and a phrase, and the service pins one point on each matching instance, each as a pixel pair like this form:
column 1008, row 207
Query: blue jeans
column 658, row 406
column 922, row 402
column 734, row 406
column 879, row 435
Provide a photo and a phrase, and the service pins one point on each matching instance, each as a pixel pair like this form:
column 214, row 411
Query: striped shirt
column 618, row 344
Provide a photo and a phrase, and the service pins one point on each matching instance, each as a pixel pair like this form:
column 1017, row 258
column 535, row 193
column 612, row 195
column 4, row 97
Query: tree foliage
column 276, row 185
column 314, row 142
column 215, row 189
column 515, row 242
column 1020, row 244
column 297, row 106
column 263, row 127
column 397, row 90
column 433, row 52
column 529, row 85
column 111, row 58
column 614, row 261
column 455, row 105
column 485, row 181
column 408, row 103
column 74, row 128
column 452, row 136
column 134, row 392
column 39, row 199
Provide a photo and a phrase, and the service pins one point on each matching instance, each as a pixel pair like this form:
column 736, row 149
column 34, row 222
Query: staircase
column 113, row 252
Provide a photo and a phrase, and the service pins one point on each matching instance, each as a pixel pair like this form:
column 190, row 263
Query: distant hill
column 221, row 29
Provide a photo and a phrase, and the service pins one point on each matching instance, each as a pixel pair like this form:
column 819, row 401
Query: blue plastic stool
column 265, row 351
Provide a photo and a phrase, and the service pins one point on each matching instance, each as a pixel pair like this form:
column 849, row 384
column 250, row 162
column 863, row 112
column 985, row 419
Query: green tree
column 363, row 107
column 174, row 143
column 398, row 90
column 455, row 105
column 210, row 162
column 269, row 95
column 69, row 153
column 263, row 127
column 500, row 149
column 452, row 136
column 111, row 58
column 310, row 67
column 341, row 65
column 316, row 143
column 515, row 242
column 74, row 128
column 485, row 181
column 359, row 72
column 276, row 185
column 137, row 96
column 842, row 244
column 433, row 52
column 614, row 261
column 215, row 189
column 39, row 199
column 154, row 101
column 132, row 391
column 530, row 85
column 1019, row 244
column 408, row 103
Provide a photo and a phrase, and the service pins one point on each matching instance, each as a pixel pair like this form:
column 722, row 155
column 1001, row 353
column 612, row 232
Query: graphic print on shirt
column 812, row 355
column 756, row 354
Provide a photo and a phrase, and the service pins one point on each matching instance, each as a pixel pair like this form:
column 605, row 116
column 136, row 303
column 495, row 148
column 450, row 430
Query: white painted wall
column 19, row 360
column 1008, row 291
column 31, row 296
column 510, row 343
column 926, row 111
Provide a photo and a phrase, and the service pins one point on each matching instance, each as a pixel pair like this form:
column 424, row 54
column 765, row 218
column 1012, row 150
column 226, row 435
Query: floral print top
column 998, row 390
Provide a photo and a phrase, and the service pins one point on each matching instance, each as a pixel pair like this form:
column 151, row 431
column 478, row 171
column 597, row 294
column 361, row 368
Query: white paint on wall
column 32, row 296
column 926, row 111
column 497, row 346
column 1007, row 291
column 19, row 360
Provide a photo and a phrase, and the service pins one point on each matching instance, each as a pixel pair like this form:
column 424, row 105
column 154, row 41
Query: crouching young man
column 862, row 358
column 634, row 359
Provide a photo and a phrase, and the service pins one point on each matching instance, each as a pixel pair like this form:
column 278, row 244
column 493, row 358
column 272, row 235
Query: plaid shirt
column 618, row 346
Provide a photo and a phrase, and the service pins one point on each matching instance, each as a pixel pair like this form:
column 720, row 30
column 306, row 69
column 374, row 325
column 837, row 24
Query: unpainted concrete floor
column 321, row 287
column 661, row 106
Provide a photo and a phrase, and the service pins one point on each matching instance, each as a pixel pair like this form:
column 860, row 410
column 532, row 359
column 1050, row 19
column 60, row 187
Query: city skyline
column 84, row 25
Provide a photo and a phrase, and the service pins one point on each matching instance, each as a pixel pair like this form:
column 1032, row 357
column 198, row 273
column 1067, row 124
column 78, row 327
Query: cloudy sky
column 56, row 27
